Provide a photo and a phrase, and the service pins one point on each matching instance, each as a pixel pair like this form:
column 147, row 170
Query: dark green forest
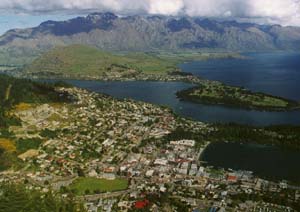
column 14, row 91
column 16, row 198
column 282, row 136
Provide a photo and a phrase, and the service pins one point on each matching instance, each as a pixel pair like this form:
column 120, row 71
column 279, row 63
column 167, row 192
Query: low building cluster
column 97, row 136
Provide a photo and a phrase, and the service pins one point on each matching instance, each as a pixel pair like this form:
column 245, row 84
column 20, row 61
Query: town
column 123, row 155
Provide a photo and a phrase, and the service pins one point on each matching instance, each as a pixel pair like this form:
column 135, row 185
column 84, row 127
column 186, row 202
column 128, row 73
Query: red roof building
column 232, row 178
column 141, row 204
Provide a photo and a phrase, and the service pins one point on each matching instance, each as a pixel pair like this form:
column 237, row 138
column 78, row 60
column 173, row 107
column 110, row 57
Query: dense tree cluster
column 279, row 198
column 16, row 198
column 285, row 137
column 14, row 91
column 281, row 136
column 235, row 97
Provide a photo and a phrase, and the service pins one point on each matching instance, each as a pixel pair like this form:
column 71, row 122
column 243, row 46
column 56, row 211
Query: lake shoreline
column 184, row 94
column 198, row 112
column 229, row 156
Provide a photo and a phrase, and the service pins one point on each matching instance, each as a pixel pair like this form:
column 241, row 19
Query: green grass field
column 84, row 61
column 93, row 185
column 16, row 57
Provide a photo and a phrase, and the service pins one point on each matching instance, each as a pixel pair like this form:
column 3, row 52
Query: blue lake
column 277, row 74
column 264, row 161
column 164, row 93
column 273, row 73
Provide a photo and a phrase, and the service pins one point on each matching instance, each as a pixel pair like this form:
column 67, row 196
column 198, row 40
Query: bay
column 264, row 161
column 164, row 93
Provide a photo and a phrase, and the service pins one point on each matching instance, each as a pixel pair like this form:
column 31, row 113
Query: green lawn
column 26, row 144
column 90, row 185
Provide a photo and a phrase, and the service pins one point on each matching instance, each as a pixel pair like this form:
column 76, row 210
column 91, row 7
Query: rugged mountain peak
column 47, row 23
column 108, row 16
column 176, row 25
column 77, row 25
column 209, row 24
column 139, row 33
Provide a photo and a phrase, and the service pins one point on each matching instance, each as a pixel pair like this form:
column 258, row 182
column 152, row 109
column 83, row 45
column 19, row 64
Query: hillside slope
column 79, row 60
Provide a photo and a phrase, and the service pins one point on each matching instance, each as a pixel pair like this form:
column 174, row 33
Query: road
column 104, row 195
column 7, row 93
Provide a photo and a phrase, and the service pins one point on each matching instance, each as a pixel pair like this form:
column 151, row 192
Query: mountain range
column 108, row 31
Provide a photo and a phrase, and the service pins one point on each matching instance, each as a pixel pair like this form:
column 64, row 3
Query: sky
column 12, row 20
column 29, row 13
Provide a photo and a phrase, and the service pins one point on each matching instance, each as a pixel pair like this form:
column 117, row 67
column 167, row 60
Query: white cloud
column 283, row 11
column 165, row 7
column 276, row 11
column 216, row 8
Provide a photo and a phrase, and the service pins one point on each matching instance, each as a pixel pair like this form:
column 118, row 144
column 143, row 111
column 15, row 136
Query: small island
column 211, row 92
